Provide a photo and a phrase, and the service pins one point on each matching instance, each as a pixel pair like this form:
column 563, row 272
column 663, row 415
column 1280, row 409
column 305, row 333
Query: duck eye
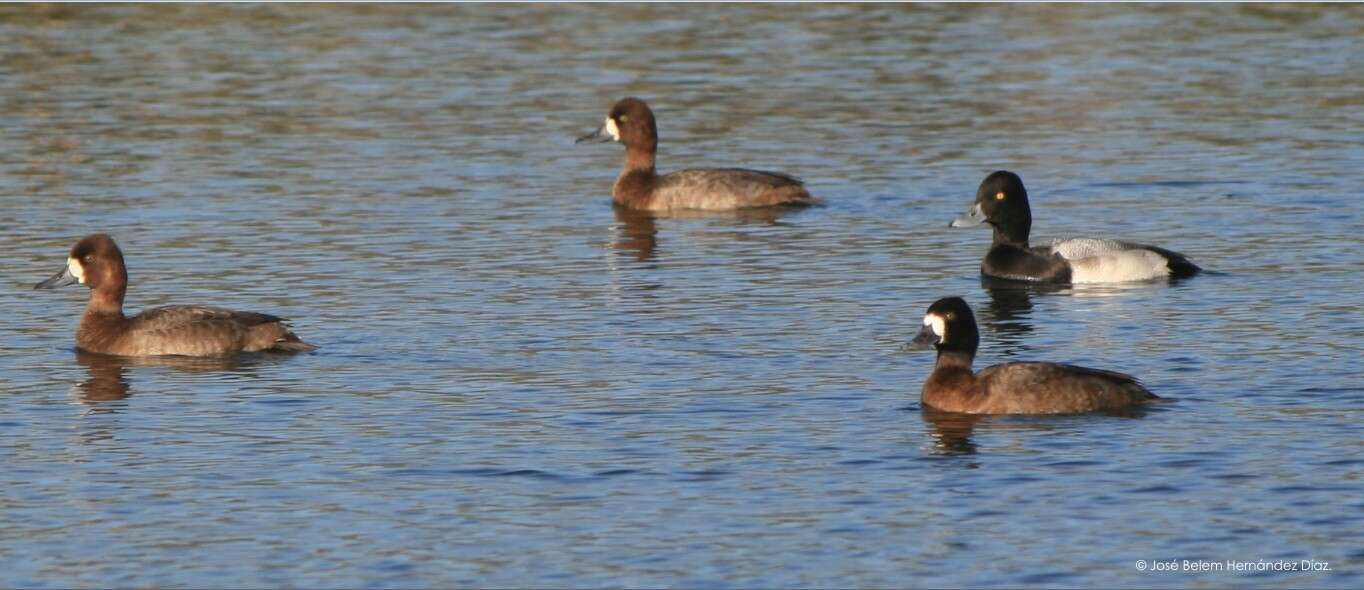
column 624, row 118
column 999, row 196
column 88, row 258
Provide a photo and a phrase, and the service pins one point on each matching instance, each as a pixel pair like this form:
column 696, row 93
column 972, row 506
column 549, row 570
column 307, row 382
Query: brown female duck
column 1011, row 388
column 188, row 330
column 640, row 187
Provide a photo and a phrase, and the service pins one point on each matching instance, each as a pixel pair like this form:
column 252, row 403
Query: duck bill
column 924, row 340
column 973, row 217
column 60, row 279
column 601, row 135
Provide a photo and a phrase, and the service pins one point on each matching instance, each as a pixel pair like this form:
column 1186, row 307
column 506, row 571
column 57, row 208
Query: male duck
column 1002, row 202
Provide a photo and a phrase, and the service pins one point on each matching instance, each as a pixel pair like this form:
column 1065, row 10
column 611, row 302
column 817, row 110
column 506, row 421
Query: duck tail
column 1180, row 266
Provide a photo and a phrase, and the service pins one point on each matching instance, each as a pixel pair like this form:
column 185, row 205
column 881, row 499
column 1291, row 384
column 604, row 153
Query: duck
column 639, row 186
column 1014, row 387
column 1002, row 202
column 184, row 330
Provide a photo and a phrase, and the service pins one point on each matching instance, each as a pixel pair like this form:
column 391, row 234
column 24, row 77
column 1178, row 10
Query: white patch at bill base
column 938, row 324
column 76, row 269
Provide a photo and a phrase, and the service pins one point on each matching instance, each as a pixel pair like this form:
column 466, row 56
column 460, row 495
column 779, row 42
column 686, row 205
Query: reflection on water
column 956, row 434
column 638, row 230
column 1007, row 318
column 951, row 431
column 108, row 378
column 638, row 233
column 111, row 377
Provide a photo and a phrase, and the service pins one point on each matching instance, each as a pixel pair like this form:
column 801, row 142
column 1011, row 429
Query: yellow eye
column 999, row 196
column 624, row 118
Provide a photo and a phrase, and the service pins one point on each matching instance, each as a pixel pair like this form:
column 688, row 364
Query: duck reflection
column 1009, row 313
column 638, row 233
column 951, row 431
column 638, row 230
column 108, row 378
column 109, row 374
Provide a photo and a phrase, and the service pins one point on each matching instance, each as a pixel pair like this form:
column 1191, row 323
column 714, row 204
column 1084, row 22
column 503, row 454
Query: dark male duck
column 639, row 186
column 1011, row 388
column 1002, row 202
column 186, row 330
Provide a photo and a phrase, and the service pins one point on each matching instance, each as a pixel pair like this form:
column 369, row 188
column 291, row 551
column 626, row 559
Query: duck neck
column 1013, row 233
column 106, row 302
column 639, row 160
column 952, row 386
column 952, row 359
column 1010, row 236
column 634, row 186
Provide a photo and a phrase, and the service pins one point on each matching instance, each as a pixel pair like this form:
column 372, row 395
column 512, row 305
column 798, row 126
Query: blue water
column 519, row 386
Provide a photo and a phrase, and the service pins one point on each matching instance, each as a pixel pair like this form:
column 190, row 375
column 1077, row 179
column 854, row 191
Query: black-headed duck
column 187, row 330
column 1011, row 388
column 1002, row 202
column 640, row 187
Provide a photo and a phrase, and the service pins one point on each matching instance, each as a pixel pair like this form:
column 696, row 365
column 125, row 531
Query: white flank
column 1116, row 267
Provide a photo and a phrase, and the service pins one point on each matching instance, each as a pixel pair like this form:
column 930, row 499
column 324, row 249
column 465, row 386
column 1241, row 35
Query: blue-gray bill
column 925, row 339
column 975, row 216
column 598, row 136
column 60, row 279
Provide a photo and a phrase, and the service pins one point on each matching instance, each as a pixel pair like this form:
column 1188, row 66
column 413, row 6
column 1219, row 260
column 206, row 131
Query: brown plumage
column 639, row 186
column 1011, row 388
column 188, row 330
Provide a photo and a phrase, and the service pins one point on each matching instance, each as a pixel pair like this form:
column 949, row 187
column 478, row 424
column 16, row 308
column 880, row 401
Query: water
column 519, row 386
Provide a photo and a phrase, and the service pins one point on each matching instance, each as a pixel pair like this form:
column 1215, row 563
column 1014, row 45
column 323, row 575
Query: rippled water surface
column 520, row 386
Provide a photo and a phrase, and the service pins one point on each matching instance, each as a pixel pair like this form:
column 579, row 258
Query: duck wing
column 201, row 330
column 1054, row 388
column 729, row 188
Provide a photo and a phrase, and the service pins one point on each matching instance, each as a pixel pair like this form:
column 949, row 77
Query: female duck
column 717, row 189
column 188, row 330
column 1011, row 388
column 1002, row 202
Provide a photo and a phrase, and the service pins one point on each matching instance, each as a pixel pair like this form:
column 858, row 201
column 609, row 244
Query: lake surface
column 520, row 386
